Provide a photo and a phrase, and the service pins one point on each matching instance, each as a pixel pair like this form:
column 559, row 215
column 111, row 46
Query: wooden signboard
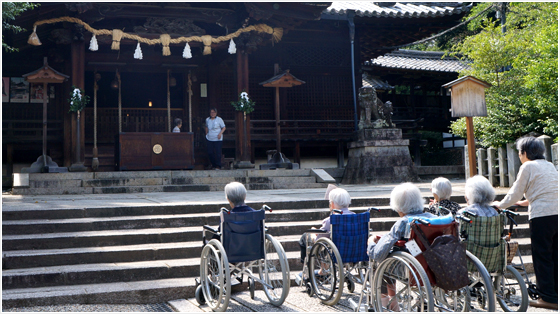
column 154, row 151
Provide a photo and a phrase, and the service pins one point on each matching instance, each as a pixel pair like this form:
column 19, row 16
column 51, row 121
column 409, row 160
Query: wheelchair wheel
column 452, row 301
column 350, row 285
column 326, row 271
column 251, row 282
column 401, row 284
column 199, row 296
column 214, row 276
column 482, row 297
column 511, row 291
column 276, row 272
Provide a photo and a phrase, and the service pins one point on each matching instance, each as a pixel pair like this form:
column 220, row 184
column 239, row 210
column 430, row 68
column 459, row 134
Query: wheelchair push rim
column 275, row 272
column 403, row 275
column 511, row 291
column 326, row 271
column 215, row 276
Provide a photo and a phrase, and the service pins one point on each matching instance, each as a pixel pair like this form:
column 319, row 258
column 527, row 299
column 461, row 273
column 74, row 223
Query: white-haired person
column 537, row 181
column 479, row 195
column 235, row 195
column 408, row 202
column 441, row 189
column 338, row 199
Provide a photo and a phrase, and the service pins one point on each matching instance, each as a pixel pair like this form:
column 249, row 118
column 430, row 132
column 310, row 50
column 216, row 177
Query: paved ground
column 28, row 202
column 297, row 300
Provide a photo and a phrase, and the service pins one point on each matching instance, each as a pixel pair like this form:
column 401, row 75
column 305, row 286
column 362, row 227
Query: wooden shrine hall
column 145, row 64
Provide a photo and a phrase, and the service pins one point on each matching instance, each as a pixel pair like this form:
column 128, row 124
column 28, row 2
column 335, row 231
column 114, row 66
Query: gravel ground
column 297, row 301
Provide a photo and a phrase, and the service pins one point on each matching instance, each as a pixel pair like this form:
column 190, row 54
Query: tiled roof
column 397, row 9
column 419, row 60
column 375, row 83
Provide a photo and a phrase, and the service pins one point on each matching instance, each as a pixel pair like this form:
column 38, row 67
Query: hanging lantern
column 187, row 51
column 232, row 49
column 115, row 82
column 138, row 52
column 93, row 44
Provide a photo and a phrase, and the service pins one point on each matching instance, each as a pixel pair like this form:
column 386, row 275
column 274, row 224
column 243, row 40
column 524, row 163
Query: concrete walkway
column 34, row 202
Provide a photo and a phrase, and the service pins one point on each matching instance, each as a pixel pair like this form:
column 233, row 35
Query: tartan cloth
column 350, row 234
column 485, row 242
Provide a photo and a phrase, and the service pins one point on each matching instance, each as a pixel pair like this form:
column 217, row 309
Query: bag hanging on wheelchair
column 447, row 258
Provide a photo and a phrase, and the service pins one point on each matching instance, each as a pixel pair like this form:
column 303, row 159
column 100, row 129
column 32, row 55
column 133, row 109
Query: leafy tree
column 522, row 66
column 11, row 10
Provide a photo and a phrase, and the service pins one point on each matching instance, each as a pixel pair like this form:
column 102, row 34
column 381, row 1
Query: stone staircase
column 144, row 254
column 163, row 181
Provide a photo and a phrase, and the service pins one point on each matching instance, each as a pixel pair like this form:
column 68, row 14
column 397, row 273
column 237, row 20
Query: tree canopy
column 522, row 66
column 11, row 10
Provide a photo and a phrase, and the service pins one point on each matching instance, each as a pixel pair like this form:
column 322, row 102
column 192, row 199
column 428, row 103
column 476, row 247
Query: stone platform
column 164, row 181
column 379, row 156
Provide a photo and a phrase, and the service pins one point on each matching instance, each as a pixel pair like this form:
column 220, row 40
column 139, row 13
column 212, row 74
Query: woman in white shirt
column 215, row 128
column 537, row 180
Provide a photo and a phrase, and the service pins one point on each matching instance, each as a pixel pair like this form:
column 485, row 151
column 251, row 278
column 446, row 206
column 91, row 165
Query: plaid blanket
column 485, row 242
column 350, row 233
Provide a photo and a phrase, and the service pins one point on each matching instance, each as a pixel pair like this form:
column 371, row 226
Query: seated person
column 479, row 195
column 441, row 189
column 178, row 125
column 338, row 199
column 235, row 195
column 407, row 201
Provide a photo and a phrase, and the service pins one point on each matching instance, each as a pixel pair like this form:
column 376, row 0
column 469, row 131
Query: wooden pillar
column 9, row 160
column 297, row 154
column 471, row 148
column 78, row 72
column 242, row 144
column 340, row 154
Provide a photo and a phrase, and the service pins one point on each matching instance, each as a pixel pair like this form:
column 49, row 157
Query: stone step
column 109, row 272
column 25, row 258
column 15, row 227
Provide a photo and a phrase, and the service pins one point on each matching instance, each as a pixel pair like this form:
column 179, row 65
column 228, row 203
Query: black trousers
column 214, row 149
column 544, row 248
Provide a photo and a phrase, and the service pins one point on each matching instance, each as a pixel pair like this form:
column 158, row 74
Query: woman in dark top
column 441, row 189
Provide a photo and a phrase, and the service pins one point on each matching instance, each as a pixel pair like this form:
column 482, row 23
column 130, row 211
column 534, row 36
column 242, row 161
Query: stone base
column 39, row 166
column 77, row 167
column 278, row 160
column 243, row 164
column 379, row 156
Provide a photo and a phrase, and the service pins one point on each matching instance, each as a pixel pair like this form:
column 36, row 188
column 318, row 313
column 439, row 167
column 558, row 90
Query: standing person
column 537, row 180
column 178, row 125
column 215, row 128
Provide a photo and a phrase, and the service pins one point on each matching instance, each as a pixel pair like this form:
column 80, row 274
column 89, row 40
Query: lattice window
column 322, row 98
column 327, row 55
column 227, row 92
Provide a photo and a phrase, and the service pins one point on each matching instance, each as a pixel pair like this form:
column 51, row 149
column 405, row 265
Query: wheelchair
column 484, row 238
column 337, row 260
column 403, row 282
column 245, row 249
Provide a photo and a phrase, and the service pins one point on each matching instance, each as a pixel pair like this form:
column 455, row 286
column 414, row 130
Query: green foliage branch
column 79, row 100
column 522, row 66
column 244, row 103
column 11, row 10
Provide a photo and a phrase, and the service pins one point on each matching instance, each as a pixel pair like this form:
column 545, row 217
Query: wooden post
column 471, row 148
column 168, row 104
column 45, row 99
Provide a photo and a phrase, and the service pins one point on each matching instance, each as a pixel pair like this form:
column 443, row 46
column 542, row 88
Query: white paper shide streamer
column 93, row 44
column 138, row 53
column 187, row 52
column 232, row 49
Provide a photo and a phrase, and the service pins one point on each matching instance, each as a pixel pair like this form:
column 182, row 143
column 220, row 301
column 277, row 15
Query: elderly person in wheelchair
column 240, row 247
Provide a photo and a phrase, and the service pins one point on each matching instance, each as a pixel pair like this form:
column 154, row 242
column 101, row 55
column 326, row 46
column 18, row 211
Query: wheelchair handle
column 509, row 212
column 338, row 211
column 266, row 207
column 463, row 218
column 469, row 213
column 444, row 208
column 422, row 221
column 375, row 209
column 225, row 210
